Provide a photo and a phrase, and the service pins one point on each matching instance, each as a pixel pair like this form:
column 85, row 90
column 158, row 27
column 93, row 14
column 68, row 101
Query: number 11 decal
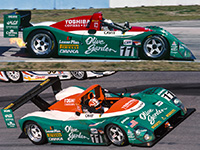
column 127, row 51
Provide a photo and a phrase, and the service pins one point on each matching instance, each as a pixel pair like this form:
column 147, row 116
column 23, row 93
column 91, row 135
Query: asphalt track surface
column 186, row 31
column 186, row 85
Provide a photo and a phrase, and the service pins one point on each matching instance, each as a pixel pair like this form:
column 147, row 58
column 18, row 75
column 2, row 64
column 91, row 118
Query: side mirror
column 92, row 31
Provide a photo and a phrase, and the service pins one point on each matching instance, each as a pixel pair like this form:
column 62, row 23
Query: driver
column 92, row 104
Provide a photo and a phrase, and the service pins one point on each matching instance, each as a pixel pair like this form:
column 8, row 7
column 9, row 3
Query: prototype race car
column 19, row 76
column 93, row 36
column 95, row 116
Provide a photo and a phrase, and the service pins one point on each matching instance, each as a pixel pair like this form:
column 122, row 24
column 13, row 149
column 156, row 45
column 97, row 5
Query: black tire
column 155, row 47
column 41, row 43
column 14, row 76
column 120, row 138
column 79, row 75
column 35, row 133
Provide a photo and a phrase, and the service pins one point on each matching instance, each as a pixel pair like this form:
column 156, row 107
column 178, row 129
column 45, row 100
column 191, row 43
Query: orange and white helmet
column 93, row 102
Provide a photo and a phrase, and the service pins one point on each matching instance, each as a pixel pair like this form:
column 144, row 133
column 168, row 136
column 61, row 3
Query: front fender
column 178, row 50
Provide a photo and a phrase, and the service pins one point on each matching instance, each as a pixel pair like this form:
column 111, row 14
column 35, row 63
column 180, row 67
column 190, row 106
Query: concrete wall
column 51, row 4
column 137, row 3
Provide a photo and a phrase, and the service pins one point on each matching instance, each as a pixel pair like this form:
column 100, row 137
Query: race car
column 96, row 116
column 93, row 36
column 19, row 76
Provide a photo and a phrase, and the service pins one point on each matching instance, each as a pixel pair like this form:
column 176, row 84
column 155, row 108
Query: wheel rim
column 154, row 47
column 115, row 135
column 34, row 133
column 13, row 75
column 78, row 74
column 41, row 44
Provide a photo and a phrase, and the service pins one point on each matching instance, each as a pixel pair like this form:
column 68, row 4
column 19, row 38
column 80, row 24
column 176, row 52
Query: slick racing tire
column 116, row 135
column 79, row 75
column 41, row 43
column 14, row 76
column 155, row 47
column 35, row 133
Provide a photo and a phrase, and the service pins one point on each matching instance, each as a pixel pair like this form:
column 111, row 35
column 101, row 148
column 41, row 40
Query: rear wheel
column 35, row 133
column 116, row 135
column 41, row 43
column 155, row 47
column 79, row 75
column 14, row 76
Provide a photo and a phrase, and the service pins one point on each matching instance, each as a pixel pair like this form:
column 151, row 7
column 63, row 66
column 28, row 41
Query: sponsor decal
column 127, row 51
column 140, row 106
column 76, row 22
column 132, row 123
column 130, row 135
column 95, row 124
column 89, row 115
column 174, row 47
column 69, row 51
column 128, row 104
column 12, row 22
column 124, row 120
column 11, row 33
column 52, row 131
column 56, row 139
column 109, row 32
column 69, row 102
column 54, row 135
column 137, row 43
column 68, row 42
column 95, row 45
column 94, row 131
column 146, row 115
column 170, row 113
column 159, row 103
column 74, row 133
column 127, row 42
column 156, row 124
column 69, row 46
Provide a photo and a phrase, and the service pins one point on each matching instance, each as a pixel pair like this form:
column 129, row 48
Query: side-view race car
column 19, row 76
column 96, row 116
column 93, row 36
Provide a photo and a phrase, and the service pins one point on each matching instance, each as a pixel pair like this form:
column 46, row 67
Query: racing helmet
column 107, row 28
column 93, row 102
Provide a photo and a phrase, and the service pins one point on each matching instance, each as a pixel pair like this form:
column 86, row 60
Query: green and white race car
column 93, row 36
column 95, row 116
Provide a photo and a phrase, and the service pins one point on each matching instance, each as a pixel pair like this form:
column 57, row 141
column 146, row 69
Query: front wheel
column 35, row 133
column 116, row 135
column 155, row 47
column 41, row 43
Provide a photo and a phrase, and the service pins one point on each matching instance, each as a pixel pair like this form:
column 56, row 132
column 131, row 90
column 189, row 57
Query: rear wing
column 33, row 96
column 15, row 22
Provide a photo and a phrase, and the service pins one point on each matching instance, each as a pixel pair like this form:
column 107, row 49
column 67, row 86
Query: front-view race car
column 93, row 36
column 96, row 116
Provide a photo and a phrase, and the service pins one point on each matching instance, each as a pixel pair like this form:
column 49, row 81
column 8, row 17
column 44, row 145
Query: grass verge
column 136, row 14
column 97, row 66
